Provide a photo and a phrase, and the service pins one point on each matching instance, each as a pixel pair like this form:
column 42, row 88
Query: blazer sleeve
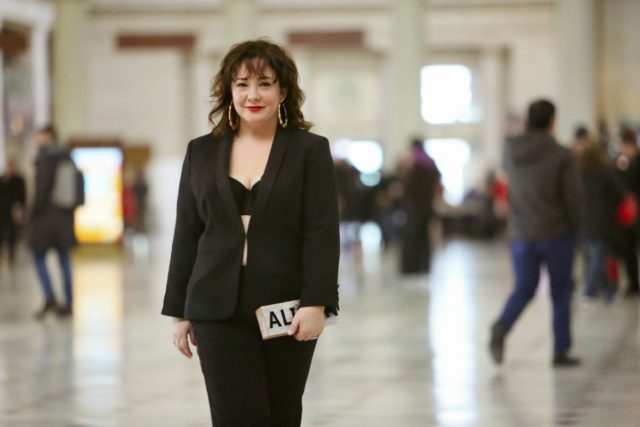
column 321, row 239
column 189, row 227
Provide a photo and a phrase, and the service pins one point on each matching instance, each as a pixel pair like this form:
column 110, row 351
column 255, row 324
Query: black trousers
column 628, row 242
column 251, row 382
column 415, row 255
column 8, row 236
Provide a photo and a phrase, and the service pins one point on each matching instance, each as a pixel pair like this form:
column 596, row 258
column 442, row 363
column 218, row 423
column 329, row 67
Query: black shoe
column 496, row 344
column 50, row 305
column 65, row 311
column 564, row 361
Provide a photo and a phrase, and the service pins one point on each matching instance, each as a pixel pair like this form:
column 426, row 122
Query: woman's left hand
column 308, row 323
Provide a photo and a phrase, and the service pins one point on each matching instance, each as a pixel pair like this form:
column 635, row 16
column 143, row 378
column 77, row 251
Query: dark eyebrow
column 259, row 78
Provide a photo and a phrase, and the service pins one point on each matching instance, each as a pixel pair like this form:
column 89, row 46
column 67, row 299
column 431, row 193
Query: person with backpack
column 59, row 189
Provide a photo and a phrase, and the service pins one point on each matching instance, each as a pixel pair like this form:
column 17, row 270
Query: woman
column 257, row 224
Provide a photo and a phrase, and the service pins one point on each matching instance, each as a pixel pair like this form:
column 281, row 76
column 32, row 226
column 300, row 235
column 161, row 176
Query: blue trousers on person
column 527, row 257
column 45, row 279
column 596, row 270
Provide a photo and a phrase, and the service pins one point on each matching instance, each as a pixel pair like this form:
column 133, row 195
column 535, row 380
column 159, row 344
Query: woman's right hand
column 182, row 332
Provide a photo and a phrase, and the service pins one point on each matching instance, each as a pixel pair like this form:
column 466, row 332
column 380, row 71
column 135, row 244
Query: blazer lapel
column 222, row 179
column 276, row 155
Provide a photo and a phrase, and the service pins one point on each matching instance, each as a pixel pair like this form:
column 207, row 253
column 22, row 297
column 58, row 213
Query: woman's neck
column 257, row 131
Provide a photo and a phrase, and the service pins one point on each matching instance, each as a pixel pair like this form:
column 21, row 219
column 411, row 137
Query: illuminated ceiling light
column 446, row 95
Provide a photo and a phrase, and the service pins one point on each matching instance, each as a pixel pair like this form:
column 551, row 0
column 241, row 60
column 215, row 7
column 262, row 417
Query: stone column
column 576, row 20
column 69, row 68
column 3, row 128
column 40, row 75
column 240, row 16
column 492, row 66
column 406, row 57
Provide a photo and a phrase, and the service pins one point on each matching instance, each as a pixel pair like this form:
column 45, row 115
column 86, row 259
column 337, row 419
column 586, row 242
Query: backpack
column 68, row 185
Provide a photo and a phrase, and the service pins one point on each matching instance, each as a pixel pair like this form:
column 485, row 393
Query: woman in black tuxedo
column 257, row 224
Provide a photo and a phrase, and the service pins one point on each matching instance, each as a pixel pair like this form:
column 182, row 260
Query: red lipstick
column 254, row 108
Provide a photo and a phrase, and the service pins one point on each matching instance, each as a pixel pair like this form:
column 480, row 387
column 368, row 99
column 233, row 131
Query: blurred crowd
column 402, row 205
column 406, row 201
column 610, row 173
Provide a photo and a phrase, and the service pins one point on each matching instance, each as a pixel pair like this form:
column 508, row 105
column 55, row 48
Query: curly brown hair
column 256, row 55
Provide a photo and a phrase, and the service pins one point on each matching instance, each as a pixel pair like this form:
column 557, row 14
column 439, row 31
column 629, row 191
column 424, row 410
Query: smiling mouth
column 254, row 108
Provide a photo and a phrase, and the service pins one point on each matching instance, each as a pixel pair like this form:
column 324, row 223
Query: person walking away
column 580, row 141
column 544, row 219
column 58, row 191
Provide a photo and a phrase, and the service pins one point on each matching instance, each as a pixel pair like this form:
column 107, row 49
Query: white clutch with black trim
column 275, row 319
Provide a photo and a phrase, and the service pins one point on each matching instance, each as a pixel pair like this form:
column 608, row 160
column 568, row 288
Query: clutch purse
column 275, row 319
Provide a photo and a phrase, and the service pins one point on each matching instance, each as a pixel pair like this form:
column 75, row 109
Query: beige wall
column 619, row 61
column 147, row 79
column 161, row 97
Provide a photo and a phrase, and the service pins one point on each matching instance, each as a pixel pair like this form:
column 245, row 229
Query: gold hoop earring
column 233, row 126
column 285, row 121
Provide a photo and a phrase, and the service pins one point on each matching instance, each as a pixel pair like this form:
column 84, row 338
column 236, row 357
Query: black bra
column 244, row 197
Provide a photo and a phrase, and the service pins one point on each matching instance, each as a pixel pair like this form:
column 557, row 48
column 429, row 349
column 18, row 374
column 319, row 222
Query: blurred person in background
column 500, row 193
column 51, row 225
column 420, row 179
column 388, row 212
column 352, row 202
column 544, row 219
column 141, row 193
column 129, row 208
column 580, row 141
column 604, row 137
column 12, row 209
column 627, row 168
column 135, row 192
column 603, row 193
column 257, row 224
column 491, row 218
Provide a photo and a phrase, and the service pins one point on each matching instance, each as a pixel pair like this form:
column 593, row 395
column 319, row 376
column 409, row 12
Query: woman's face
column 256, row 97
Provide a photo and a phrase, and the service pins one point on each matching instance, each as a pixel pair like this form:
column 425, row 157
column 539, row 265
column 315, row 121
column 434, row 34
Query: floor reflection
column 408, row 351
column 98, row 317
column 452, row 333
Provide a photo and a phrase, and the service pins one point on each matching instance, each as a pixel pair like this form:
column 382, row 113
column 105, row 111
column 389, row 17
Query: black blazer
column 293, row 236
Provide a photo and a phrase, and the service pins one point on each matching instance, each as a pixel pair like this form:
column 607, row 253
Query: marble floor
column 408, row 352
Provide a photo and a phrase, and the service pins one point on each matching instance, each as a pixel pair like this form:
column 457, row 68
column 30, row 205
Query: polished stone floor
column 408, row 352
